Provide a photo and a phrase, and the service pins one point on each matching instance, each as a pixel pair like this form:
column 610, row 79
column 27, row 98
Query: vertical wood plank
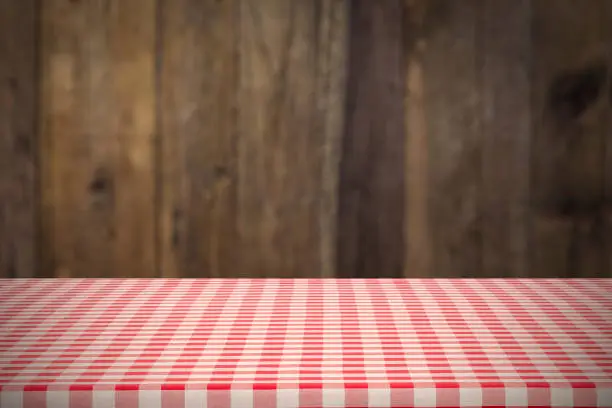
column 449, row 60
column 18, row 171
column 73, row 233
column 371, row 197
column 198, row 112
column 280, row 151
column 607, row 24
column 568, row 143
column 132, row 37
column 332, row 45
column 506, row 126
column 418, row 259
column 204, row 124
column 98, row 124
column 419, row 247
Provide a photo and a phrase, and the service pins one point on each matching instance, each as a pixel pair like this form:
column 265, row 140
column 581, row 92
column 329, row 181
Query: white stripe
column 425, row 397
column 516, row 397
column 604, row 397
column 58, row 399
column 11, row 399
column 241, row 399
column 561, row 397
column 149, row 399
column 195, row 399
column 379, row 397
column 288, row 398
column 470, row 397
column 333, row 398
column 104, row 399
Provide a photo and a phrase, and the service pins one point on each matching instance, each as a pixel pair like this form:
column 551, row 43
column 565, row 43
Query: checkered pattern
column 216, row 343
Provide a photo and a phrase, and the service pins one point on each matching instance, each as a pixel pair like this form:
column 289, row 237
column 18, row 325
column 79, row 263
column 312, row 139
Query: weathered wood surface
column 569, row 75
column 506, row 143
column 97, row 138
column 451, row 66
column 371, row 192
column 418, row 254
column 607, row 115
column 198, row 136
column 290, row 103
column 18, row 172
column 323, row 138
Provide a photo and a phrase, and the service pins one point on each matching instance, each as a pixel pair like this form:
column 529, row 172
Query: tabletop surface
column 297, row 343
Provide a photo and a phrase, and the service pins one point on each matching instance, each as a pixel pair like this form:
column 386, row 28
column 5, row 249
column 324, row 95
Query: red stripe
column 583, row 385
column 447, row 385
column 127, row 387
column 356, row 385
column 264, row 386
column 401, row 385
column 81, row 387
column 303, row 386
column 220, row 386
column 35, row 387
column 173, row 387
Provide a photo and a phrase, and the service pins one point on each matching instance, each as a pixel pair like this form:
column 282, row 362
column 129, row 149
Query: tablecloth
column 287, row 343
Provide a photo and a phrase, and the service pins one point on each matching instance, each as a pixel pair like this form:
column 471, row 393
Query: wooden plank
column 418, row 257
column 70, row 243
column 200, row 138
column 607, row 24
column 568, row 142
column 281, row 155
column 18, row 160
column 506, row 127
column 419, row 246
column 371, row 197
column 332, row 45
column 451, row 99
column 98, row 116
column 198, row 112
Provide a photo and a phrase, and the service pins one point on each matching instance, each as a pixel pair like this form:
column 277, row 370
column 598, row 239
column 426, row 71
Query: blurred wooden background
column 305, row 138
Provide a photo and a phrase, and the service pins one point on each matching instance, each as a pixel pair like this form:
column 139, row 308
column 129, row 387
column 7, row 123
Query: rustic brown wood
column 418, row 257
column 332, row 45
column 506, row 124
column 70, row 243
column 371, row 196
column 98, row 124
column 198, row 112
column 18, row 177
column 280, row 152
column 449, row 60
column 570, row 72
column 607, row 113
column 475, row 139
column 417, row 225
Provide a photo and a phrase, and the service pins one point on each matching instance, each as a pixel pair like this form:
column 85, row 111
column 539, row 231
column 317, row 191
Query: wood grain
column 198, row 112
column 332, row 60
column 281, row 154
column 568, row 141
column 371, row 197
column 606, row 16
column 450, row 61
column 98, row 125
column 418, row 257
column 506, row 125
column 18, row 156
column 322, row 138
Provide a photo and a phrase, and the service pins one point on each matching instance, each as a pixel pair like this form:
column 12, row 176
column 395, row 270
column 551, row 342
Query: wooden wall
column 305, row 138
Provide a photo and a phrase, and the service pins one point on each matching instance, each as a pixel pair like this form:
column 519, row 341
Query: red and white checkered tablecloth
column 216, row 343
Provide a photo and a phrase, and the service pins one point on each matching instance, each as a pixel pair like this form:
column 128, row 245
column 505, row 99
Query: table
column 259, row 343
